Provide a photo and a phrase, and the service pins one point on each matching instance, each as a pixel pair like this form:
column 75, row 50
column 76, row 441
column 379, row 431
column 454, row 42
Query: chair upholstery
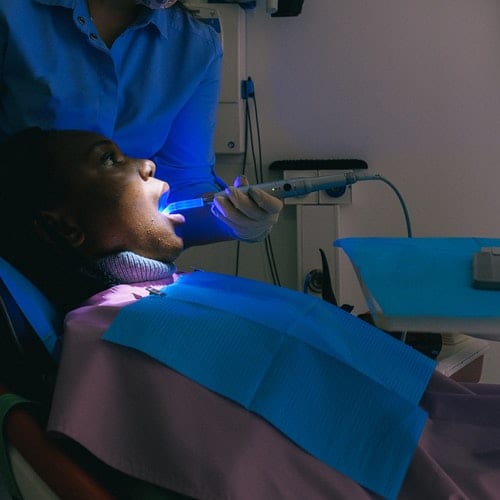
column 26, row 366
column 28, row 369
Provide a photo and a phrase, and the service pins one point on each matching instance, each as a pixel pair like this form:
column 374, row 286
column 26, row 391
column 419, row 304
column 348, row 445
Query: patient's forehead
column 73, row 145
column 73, row 154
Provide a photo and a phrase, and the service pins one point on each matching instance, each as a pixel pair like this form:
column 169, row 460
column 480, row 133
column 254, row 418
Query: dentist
column 144, row 73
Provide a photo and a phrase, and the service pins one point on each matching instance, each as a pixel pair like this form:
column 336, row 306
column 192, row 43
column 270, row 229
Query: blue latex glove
column 251, row 215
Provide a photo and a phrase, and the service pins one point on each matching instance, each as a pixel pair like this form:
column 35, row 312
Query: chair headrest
column 40, row 313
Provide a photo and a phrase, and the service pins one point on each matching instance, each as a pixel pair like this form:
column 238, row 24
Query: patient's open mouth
column 162, row 202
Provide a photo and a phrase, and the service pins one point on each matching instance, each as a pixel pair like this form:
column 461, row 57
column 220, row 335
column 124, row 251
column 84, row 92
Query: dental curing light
column 299, row 186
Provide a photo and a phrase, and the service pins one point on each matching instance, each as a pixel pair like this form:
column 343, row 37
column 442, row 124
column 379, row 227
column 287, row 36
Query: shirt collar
column 148, row 16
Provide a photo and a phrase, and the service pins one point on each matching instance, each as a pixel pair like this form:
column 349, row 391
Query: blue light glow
column 179, row 206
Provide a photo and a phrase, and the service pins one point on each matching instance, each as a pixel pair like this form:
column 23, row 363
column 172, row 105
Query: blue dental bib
column 344, row 391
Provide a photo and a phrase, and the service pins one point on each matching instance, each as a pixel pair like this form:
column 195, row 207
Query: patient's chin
column 173, row 249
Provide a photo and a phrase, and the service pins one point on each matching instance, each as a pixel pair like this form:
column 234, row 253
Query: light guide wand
column 288, row 188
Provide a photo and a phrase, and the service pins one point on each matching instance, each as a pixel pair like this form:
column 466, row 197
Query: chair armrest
column 61, row 473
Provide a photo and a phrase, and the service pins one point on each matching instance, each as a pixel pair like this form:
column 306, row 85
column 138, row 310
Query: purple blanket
column 147, row 421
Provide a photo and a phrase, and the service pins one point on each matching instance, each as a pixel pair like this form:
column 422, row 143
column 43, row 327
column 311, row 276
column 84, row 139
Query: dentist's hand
column 250, row 215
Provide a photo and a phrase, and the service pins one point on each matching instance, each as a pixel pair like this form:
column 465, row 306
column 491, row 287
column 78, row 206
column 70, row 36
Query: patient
column 77, row 213
column 83, row 224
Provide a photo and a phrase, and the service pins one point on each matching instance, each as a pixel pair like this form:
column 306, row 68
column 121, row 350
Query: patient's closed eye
column 110, row 159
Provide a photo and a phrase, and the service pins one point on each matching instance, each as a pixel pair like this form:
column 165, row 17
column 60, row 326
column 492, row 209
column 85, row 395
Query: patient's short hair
column 30, row 183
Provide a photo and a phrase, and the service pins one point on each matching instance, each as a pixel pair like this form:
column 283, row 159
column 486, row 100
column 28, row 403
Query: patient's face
column 114, row 198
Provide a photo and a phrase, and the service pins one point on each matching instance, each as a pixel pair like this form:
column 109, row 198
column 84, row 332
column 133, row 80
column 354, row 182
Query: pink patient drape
column 148, row 421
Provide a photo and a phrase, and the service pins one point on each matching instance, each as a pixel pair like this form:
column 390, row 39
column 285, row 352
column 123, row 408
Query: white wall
column 412, row 87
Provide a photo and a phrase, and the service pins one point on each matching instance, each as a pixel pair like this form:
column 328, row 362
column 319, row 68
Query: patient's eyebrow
column 97, row 144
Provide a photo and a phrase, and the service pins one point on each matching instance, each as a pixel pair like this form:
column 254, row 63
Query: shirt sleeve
column 187, row 158
column 202, row 227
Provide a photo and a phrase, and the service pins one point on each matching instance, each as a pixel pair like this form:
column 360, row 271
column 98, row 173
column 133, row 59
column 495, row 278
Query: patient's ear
column 53, row 226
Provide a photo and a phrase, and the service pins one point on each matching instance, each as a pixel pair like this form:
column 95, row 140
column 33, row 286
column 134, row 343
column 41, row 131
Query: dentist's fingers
column 250, row 215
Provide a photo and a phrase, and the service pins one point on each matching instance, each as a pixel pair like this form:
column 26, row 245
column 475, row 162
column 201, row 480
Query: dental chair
column 33, row 466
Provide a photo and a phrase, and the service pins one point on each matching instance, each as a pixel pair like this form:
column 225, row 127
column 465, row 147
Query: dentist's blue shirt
column 154, row 92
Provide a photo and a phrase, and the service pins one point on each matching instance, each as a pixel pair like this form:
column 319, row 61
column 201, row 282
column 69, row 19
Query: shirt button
column 93, row 36
column 81, row 20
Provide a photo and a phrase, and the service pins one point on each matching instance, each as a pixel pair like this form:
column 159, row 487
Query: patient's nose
column 147, row 168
